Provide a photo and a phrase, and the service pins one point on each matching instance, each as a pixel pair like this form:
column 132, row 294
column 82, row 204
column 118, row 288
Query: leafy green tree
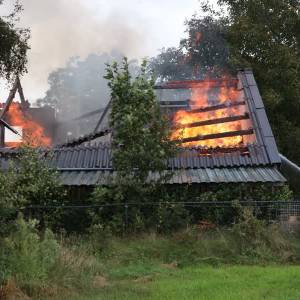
column 204, row 52
column 13, row 44
column 171, row 63
column 140, row 132
column 140, row 145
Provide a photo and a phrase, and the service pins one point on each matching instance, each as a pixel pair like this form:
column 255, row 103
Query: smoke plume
column 61, row 29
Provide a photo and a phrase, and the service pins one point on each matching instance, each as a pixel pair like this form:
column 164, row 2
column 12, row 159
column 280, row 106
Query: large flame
column 33, row 134
column 211, row 93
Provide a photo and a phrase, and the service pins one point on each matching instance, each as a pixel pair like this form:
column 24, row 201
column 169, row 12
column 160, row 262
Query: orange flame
column 33, row 134
column 210, row 93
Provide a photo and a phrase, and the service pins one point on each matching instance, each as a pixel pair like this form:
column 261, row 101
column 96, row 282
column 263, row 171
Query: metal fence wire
column 287, row 213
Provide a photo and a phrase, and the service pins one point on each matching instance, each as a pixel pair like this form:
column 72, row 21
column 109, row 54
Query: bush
column 26, row 256
column 254, row 238
column 29, row 182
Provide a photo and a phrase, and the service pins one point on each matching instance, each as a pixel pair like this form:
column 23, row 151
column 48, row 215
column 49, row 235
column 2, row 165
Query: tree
column 140, row 145
column 13, row 45
column 204, row 52
column 140, row 133
column 265, row 36
column 206, row 47
column 170, row 64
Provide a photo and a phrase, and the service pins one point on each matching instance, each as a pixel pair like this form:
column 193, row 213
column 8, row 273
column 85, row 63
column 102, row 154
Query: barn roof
column 89, row 164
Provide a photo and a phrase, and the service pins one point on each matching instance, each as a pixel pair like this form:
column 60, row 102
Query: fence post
column 126, row 217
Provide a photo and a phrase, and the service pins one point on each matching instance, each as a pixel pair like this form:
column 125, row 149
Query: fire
column 33, row 134
column 206, row 94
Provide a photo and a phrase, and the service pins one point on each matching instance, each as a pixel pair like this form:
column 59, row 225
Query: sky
column 61, row 29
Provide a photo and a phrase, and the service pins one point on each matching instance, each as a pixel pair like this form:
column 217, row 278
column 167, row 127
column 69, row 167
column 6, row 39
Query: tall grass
column 42, row 265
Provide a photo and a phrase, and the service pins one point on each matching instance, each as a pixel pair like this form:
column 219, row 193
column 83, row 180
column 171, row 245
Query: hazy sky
column 64, row 28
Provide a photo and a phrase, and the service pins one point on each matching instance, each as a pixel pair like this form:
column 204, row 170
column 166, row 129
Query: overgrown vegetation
column 28, row 181
column 45, row 253
column 37, row 263
column 40, row 266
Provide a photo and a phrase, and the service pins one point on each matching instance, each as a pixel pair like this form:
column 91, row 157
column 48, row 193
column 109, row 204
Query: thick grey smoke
column 61, row 29
column 65, row 28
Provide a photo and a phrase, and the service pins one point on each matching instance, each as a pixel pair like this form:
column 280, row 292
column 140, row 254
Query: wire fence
column 287, row 213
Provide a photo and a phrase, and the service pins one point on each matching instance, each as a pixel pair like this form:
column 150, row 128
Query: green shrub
column 254, row 238
column 26, row 256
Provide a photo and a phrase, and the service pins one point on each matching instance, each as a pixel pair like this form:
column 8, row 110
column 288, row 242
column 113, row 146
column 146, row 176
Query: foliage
column 170, row 64
column 43, row 267
column 140, row 145
column 29, row 182
column 39, row 266
column 169, row 208
column 13, row 44
column 141, row 134
column 203, row 53
column 25, row 256
column 256, row 239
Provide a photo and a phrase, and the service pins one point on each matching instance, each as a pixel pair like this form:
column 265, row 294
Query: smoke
column 61, row 29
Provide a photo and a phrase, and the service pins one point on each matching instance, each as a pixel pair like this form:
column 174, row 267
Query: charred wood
column 213, row 121
column 216, row 136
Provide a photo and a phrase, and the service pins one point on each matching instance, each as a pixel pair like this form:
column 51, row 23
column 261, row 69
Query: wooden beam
column 5, row 124
column 24, row 103
column 183, row 103
column 216, row 107
column 2, row 137
column 189, row 84
column 102, row 116
column 213, row 121
column 10, row 98
column 84, row 139
column 216, row 136
column 207, row 151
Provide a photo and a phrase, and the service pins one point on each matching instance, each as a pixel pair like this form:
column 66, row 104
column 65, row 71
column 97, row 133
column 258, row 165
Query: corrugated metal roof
column 100, row 155
column 90, row 177
column 256, row 164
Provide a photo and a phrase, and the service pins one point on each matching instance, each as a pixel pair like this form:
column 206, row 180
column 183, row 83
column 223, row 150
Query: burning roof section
column 219, row 116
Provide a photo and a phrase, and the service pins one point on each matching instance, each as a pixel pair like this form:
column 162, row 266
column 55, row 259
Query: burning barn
column 222, row 126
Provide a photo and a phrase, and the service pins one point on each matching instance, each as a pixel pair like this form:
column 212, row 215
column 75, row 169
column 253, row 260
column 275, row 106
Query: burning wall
column 35, row 125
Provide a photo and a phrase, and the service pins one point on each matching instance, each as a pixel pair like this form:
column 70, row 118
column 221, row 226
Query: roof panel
column 204, row 176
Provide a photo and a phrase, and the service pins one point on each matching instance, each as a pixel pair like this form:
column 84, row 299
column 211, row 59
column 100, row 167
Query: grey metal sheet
column 216, row 175
column 256, row 97
column 249, row 77
column 272, row 150
column 264, row 123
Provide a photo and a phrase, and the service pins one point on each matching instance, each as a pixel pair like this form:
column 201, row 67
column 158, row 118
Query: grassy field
column 245, row 262
column 236, row 282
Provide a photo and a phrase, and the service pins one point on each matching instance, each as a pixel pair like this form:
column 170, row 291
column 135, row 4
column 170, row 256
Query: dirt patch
column 100, row 282
column 10, row 291
column 171, row 266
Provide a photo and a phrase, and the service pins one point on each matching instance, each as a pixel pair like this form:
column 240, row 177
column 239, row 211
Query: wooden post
column 2, row 136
